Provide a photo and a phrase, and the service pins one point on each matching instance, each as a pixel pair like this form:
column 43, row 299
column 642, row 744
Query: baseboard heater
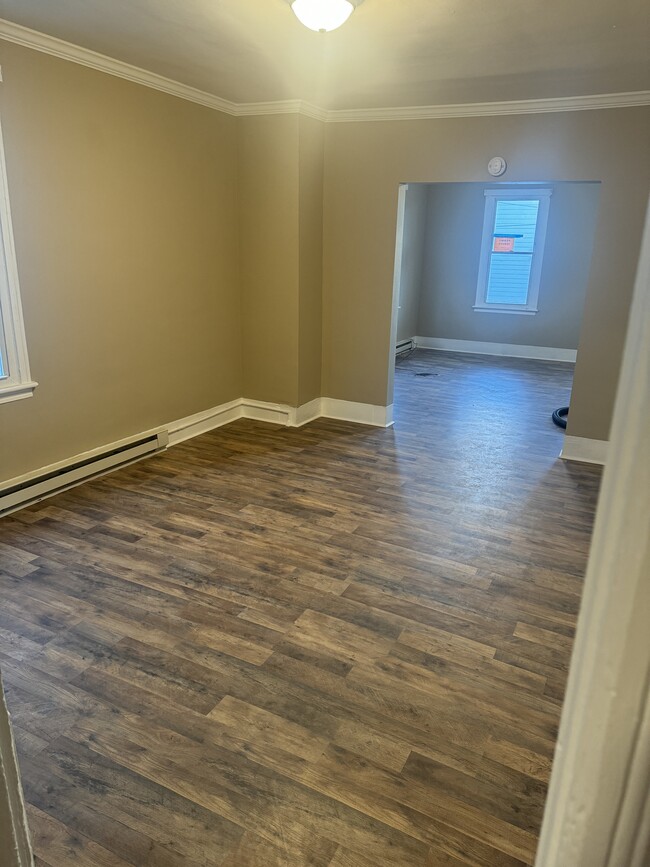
column 404, row 346
column 61, row 477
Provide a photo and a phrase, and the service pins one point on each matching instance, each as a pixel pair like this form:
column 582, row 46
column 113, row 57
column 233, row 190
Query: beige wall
column 123, row 204
column 413, row 259
column 170, row 255
column 310, row 307
column 365, row 162
column 451, row 259
column 281, row 251
column 269, row 254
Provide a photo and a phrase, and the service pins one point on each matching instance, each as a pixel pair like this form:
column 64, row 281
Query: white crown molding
column 315, row 111
column 76, row 54
column 483, row 109
column 285, row 106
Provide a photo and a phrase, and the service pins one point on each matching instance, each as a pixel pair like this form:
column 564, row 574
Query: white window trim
column 18, row 383
column 491, row 198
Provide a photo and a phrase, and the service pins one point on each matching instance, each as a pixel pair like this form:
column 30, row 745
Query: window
column 514, row 231
column 15, row 379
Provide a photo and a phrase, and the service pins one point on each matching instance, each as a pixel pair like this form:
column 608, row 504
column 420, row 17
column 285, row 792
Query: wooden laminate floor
column 334, row 646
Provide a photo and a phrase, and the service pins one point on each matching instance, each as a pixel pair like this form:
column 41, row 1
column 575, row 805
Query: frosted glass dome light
column 323, row 15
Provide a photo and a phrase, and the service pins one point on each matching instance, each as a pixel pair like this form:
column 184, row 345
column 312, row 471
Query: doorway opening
column 489, row 289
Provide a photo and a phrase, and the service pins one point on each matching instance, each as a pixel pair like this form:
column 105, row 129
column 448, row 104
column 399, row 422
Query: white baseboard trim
column 361, row 413
column 320, row 407
column 272, row 413
column 243, row 407
column 511, row 350
column 202, row 422
column 584, row 451
column 301, row 415
column 73, row 471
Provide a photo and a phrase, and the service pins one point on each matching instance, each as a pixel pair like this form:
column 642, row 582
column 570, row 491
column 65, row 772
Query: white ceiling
column 390, row 52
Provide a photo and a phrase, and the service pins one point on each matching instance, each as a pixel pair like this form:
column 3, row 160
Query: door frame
column 13, row 820
column 598, row 811
column 402, row 190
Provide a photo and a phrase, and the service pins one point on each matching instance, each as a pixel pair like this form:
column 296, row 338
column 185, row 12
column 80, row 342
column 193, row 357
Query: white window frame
column 17, row 383
column 491, row 198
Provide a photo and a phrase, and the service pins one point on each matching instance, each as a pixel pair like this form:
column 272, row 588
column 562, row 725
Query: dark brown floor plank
column 333, row 646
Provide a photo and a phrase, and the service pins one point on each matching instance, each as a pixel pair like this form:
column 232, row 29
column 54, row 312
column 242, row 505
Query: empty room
column 296, row 569
column 490, row 290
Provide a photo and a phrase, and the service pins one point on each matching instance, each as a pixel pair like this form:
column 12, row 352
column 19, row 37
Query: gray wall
column 451, row 259
column 413, row 258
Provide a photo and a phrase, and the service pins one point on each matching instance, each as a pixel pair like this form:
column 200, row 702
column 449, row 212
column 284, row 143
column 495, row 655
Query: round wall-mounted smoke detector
column 497, row 166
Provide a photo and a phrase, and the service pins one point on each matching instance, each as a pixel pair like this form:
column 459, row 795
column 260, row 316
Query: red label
column 503, row 245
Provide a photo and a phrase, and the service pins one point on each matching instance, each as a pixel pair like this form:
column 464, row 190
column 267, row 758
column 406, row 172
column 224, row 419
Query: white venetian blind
column 511, row 255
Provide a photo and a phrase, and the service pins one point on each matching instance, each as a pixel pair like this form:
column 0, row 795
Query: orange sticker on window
column 503, row 245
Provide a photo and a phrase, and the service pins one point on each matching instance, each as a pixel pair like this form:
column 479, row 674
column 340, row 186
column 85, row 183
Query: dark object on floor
column 560, row 416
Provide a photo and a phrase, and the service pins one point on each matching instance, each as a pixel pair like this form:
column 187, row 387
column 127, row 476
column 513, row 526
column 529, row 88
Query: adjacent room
column 495, row 274
column 296, row 569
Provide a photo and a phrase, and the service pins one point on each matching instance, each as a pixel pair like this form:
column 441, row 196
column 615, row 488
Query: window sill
column 493, row 308
column 17, row 391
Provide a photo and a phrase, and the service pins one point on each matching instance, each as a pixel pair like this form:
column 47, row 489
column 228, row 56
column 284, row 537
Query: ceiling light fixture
column 323, row 15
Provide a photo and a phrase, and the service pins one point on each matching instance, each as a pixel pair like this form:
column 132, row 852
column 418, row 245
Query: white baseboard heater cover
column 404, row 346
column 31, row 490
